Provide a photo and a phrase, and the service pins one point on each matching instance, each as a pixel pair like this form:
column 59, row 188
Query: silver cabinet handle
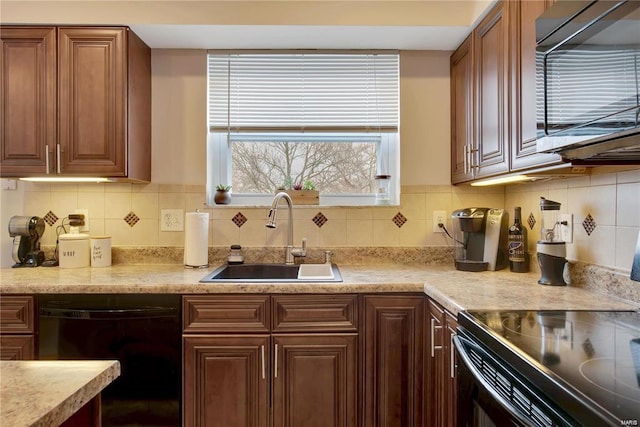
column 275, row 363
column 433, row 338
column 471, row 162
column 59, row 168
column 263, row 366
column 452, row 360
column 466, row 158
column 46, row 158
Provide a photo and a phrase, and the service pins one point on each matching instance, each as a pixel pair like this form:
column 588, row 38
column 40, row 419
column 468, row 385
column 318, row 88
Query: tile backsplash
column 131, row 215
column 605, row 208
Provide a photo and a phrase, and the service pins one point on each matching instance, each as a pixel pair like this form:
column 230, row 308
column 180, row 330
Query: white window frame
column 219, row 170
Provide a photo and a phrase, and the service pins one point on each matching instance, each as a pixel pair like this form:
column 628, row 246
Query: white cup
column 100, row 251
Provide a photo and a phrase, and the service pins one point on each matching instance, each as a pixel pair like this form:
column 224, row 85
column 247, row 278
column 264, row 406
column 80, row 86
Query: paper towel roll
column 196, row 239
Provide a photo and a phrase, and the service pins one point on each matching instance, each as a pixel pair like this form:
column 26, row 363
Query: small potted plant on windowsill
column 222, row 196
column 301, row 193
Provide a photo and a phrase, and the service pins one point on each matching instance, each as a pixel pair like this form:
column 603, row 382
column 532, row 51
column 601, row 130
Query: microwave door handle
column 466, row 359
column 128, row 313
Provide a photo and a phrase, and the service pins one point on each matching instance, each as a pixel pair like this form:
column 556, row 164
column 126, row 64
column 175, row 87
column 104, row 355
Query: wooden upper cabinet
column 523, row 16
column 491, row 70
column 99, row 120
column 462, row 112
column 92, row 95
column 28, row 99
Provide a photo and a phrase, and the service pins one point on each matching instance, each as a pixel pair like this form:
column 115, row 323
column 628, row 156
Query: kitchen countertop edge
column 32, row 394
column 454, row 290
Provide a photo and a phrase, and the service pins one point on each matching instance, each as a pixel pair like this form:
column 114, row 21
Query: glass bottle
column 518, row 256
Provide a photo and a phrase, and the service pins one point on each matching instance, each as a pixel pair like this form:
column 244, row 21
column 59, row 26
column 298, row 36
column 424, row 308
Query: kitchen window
column 281, row 118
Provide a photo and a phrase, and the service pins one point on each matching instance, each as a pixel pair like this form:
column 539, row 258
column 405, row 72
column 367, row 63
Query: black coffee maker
column 480, row 239
column 26, row 232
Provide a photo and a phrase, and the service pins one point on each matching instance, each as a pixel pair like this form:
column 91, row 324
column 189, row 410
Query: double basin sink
column 261, row 273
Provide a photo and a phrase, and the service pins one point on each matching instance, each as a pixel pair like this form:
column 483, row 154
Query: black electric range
column 583, row 365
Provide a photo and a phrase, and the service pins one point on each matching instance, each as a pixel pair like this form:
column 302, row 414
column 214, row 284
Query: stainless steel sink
column 261, row 273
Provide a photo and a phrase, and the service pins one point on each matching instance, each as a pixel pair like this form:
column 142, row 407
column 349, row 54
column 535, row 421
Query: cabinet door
column 314, row 380
column 435, row 389
column 17, row 347
column 449, row 371
column 393, row 360
column 226, row 381
column 92, row 93
column 27, row 99
column 462, row 112
column 491, row 92
column 522, row 16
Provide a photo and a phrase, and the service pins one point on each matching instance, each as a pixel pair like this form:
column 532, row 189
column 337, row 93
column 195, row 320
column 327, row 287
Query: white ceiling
column 301, row 37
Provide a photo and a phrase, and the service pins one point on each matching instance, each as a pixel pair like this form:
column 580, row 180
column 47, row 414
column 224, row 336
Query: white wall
column 179, row 122
column 179, row 88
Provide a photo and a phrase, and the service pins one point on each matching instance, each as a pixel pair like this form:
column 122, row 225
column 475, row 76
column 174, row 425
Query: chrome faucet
column 290, row 251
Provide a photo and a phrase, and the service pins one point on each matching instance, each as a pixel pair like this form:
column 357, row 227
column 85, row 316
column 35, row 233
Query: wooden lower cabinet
column 441, row 396
column 17, row 347
column 314, row 380
column 302, row 371
column 393, row 360
column 450, row 394
column 17, row 327
column 226, row 380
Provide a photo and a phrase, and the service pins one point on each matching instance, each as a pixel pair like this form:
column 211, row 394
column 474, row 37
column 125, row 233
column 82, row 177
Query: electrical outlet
column 9, row 184
column 566, row 231
column 439, row 217
column 172, row 220
column 83, row 228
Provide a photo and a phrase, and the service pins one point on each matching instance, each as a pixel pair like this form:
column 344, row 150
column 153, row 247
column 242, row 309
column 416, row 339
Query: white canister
column 100, row 251
column 73, row 250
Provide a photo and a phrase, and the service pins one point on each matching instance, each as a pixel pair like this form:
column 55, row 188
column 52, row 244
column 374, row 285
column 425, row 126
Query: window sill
column 260, row 201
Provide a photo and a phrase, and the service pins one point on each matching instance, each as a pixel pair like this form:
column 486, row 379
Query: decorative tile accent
column 531, row 220
column 589, row 224
column 399, row 220
column 239, row 219
column 131, row 219
column 320, row 219
column 50, row 218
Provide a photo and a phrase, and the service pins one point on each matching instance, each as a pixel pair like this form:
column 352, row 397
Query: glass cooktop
column 594, row 356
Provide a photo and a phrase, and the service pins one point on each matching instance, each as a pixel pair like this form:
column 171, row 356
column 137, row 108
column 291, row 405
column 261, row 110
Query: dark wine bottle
column 518, row 255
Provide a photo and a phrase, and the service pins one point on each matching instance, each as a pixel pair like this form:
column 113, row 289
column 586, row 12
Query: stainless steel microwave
column 588, row 81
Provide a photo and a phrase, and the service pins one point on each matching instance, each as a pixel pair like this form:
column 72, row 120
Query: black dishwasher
column 142, row 331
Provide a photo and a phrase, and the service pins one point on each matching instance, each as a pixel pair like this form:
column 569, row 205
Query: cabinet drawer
column 304, row 313
column 225, row 313
column 17, row 314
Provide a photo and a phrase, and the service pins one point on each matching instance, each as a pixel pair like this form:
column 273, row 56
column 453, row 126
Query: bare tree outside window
column 334, row 167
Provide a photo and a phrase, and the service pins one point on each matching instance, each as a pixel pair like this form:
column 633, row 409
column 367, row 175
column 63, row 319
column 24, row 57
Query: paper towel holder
column 200, row 261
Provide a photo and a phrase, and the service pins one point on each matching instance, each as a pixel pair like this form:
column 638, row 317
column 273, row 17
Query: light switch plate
column 566, row 231
column 172, row 220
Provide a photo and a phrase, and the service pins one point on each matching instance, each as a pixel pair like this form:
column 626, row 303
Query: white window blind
column 303, row 92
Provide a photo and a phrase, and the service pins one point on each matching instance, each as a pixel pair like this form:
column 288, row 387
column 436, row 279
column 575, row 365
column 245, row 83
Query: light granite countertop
column 46, row 393
column 455, row 290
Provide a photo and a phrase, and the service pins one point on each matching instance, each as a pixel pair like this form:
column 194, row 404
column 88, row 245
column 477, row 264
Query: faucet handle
column 327, row 257
column 302, row 251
